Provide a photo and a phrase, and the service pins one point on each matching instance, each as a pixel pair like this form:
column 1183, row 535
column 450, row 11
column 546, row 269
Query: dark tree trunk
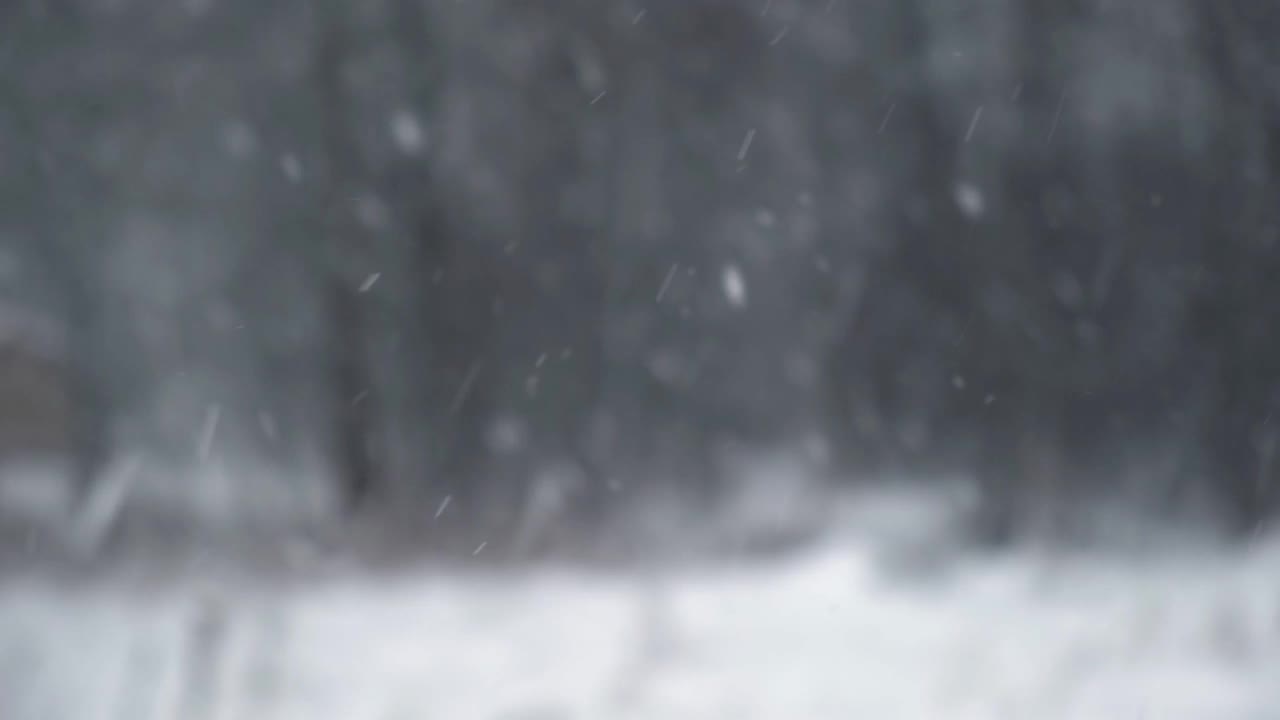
column 353, row 420
column 86, row 389
column 352, row 401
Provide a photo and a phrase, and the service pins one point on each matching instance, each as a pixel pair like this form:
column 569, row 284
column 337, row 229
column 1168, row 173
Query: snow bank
column 830, row 634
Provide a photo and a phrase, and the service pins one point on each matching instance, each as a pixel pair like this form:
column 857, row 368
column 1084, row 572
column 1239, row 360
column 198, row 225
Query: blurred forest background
column 517, row 273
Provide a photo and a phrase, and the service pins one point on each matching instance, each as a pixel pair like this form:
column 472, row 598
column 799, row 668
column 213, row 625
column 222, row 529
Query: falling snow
column 734, row 286
column 887, row 115
column 746, row 144
column 407, row 132
column 969, row 199
column 973, row 124
column 444, row 505
column 464, row 389
column 1057, row 115
column 240, row 139
column 291, row 167
column 534, row 282
column 666, row 282
column 208, row 431
column 373, row 212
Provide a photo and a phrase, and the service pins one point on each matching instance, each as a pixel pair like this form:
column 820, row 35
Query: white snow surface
column 829, row 633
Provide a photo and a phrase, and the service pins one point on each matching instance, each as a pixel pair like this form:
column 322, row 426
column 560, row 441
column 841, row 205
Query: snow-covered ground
column 830, row 633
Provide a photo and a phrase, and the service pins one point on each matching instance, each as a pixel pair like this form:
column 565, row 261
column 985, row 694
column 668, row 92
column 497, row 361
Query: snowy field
column 834, row 632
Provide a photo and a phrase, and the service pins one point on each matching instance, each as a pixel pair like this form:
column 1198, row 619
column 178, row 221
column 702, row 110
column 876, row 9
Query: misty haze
column 639, row 359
